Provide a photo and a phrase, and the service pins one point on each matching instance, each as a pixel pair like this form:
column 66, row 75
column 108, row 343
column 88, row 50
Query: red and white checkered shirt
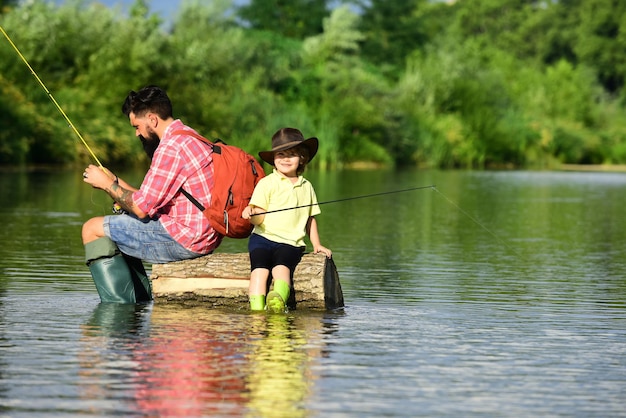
column 180, row 161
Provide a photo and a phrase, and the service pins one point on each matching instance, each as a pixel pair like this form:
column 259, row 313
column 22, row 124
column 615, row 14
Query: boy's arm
column 311, row 230
column 249, row 213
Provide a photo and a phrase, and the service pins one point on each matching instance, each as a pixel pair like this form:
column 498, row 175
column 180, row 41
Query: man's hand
column 98, row 177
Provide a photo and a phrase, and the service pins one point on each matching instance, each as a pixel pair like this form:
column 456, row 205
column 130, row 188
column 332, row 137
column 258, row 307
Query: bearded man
column 160, row 224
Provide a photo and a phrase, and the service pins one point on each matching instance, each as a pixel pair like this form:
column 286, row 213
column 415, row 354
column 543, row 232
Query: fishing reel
column 117, row 209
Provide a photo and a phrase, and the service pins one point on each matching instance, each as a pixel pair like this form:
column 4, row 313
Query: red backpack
column 235, row 173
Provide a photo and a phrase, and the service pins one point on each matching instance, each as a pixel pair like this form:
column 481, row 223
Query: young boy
column 277, row 241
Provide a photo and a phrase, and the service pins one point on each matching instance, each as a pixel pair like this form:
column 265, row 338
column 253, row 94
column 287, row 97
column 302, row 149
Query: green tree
column 592, row 33
column 210, row 56
column 6, row 5
column 506, row 83
column 601, row 40
column 347, row 97
column 516, row 26
column 392, row 29
column 589, row 32
column 290, row 18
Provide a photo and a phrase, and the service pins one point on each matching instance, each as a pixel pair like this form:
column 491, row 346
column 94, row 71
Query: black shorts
column 269, row 254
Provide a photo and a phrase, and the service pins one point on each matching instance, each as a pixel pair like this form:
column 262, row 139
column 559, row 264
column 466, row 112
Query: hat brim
column 312, row 144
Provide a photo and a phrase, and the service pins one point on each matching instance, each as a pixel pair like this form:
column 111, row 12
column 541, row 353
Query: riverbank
column 594, row 167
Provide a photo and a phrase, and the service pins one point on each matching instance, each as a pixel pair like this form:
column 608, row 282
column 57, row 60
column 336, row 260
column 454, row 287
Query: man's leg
column 93, row 229
column 145, row 239
column 118, row 278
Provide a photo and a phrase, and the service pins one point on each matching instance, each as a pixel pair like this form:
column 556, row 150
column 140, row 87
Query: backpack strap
column 216, row 148
column 193, row 199
column 192, row 133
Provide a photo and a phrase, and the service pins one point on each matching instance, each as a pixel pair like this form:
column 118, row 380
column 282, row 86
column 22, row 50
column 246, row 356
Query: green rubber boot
column 257, row 302
column 141, row 281
column 113, row 279
column 277, row 298
column 118, row 278
column 100, row 248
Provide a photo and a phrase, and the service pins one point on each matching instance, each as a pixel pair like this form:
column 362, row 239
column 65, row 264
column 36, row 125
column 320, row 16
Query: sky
column 167, row 8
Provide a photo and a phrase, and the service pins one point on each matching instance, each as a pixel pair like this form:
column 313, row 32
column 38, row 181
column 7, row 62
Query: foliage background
column 471, row 83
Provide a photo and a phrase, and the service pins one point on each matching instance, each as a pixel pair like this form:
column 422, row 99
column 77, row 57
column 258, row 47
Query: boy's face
column 287, row 162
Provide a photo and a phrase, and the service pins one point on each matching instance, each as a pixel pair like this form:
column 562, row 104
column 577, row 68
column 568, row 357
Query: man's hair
column 148, row 99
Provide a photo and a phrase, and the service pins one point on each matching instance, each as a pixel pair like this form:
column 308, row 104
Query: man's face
column 150, row 143
column 145, row 132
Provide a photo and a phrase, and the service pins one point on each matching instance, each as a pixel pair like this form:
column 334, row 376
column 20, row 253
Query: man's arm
column 124, row 197
column 119, row 190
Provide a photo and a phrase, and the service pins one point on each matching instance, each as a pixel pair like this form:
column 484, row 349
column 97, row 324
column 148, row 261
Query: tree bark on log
column 221, row 280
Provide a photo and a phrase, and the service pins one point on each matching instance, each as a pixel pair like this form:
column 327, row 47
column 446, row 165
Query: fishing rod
column 433, row 187
column 6, row 35
column 349, row 198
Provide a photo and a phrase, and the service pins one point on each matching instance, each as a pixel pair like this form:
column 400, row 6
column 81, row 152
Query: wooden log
column 221, row 279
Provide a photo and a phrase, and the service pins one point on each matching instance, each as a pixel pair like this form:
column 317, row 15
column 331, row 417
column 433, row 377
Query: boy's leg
column 277, row 298
column 260, row 262
column 256, row 290
column 281, row 277
column 286, row 259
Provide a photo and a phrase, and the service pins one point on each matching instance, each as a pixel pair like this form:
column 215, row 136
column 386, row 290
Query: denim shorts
column 145, row 239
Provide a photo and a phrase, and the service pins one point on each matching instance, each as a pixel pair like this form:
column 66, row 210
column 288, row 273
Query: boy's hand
column 321, row 249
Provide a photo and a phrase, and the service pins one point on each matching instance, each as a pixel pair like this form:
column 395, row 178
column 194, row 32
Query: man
column 161, row 224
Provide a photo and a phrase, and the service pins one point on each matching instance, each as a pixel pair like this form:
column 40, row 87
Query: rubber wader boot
column 115, row 280
column 257, row 302
column 141, row 281
column 283, row 288
column 277, row 298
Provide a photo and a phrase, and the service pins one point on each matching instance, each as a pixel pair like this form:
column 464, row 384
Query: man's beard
column 150, row 144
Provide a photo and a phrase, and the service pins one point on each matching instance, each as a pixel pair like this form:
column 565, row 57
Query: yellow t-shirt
column 274, row 192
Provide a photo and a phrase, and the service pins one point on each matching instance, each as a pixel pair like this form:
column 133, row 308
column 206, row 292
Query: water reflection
column 109, row 343
column 177, row 361
column 280, row 376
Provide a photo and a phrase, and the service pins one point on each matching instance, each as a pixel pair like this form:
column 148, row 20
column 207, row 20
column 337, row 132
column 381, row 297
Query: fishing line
column 433, row 187
column 98, row 204
column 477, row 223
column 349, row 198
column 6, row 35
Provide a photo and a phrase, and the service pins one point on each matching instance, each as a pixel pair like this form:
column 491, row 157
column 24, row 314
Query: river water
column 491, row 294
